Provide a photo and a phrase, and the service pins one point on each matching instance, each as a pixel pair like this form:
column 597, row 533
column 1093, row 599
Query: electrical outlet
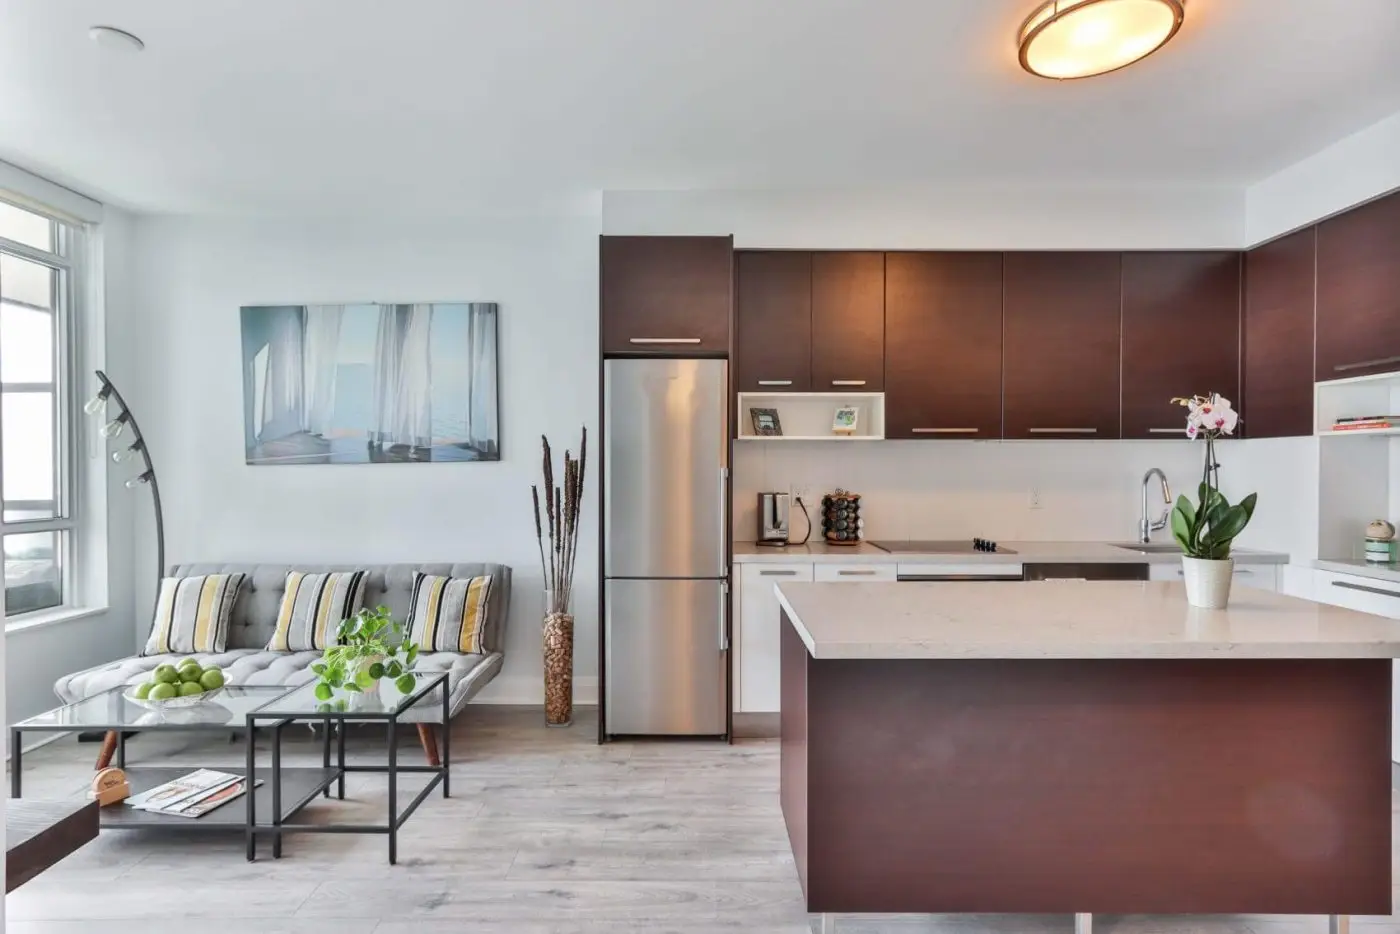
column 802, row 490
column 1035, row 499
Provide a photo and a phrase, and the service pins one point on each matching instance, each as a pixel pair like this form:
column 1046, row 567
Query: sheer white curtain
column 481, row 390
column 319, row 365
column 403, row 376
column 283, row 394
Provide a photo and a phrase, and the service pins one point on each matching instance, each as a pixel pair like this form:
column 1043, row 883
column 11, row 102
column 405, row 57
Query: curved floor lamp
column 111, row 431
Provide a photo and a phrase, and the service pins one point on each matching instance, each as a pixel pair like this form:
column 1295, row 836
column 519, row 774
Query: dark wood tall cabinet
column 1181, row 335
column 1358, row 291
column 1279, row 289
column 1061, row 334
column 773, row 342
column 848, row 322
column 943, row 345
column 668, row 296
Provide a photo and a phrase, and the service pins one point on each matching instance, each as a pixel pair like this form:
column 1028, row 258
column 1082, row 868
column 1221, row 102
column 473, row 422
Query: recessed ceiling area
column 442, row 106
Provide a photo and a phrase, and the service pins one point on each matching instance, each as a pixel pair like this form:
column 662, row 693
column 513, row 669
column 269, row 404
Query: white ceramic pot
column 1207, row 581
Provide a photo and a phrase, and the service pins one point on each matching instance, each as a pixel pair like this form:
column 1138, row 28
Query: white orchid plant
column 1207, row 528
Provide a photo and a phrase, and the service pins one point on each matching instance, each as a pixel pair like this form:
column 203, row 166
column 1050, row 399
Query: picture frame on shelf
column 766, row 423
column 846, row 420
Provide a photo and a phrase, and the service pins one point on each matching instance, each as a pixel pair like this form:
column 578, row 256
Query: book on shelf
column 192, row 795
column 1359, row 425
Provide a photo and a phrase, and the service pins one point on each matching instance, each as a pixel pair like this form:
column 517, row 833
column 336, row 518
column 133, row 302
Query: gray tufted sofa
column 248, row 661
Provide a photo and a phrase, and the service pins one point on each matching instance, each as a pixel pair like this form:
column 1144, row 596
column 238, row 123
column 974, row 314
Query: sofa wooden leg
column 427, row 735
column 109, row 749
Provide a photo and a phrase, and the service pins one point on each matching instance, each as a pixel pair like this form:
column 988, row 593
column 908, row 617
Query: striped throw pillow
column 313, row 606
column 192, row 614
column 448, row 614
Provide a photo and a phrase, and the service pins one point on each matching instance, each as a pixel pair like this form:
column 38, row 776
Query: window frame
column 66, row 260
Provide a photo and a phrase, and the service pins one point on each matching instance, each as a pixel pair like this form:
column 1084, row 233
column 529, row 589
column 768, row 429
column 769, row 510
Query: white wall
column 1363, row 166
column 1088, row 490
column 185, row 372
column 962, row 218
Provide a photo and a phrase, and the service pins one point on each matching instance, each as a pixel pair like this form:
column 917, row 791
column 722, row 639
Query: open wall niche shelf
column 808, row 416
column 1358, row 397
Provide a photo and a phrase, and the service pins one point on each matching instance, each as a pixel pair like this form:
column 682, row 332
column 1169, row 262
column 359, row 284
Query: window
column 36, row 449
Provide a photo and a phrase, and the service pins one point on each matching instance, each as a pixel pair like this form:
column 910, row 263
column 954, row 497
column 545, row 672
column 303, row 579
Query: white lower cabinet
column 855, row 573
column 759, row 620
column 1262, row 576
column 1369, row 596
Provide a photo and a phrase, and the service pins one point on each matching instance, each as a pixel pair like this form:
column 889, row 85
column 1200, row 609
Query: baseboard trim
column 757, row 725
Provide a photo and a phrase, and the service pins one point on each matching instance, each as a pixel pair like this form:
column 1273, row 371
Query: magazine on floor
column 181, row 794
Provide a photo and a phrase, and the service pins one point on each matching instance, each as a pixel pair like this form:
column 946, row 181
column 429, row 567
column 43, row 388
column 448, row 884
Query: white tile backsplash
column 1089, row 490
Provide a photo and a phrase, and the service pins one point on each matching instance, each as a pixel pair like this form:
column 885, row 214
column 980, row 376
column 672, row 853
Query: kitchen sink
column 1151, row 548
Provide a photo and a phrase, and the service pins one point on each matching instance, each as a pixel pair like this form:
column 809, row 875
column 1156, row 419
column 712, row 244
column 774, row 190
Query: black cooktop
column 963, row 546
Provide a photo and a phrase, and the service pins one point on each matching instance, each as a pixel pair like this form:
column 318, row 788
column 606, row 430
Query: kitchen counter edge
column 1026, row 553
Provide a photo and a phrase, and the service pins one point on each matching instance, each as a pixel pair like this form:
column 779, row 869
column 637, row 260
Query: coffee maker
column 773, row 519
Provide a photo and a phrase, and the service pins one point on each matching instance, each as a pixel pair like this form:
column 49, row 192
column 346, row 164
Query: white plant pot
column 1207, row 581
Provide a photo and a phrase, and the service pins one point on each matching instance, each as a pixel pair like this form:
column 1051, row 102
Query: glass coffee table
column 280, row 792
column 384, row 705
column 225, row 712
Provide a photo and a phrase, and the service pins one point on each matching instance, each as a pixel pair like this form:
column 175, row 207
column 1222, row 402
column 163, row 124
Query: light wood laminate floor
column 546, row 833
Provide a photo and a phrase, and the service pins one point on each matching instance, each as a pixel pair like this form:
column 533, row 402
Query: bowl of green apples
column 185, row 684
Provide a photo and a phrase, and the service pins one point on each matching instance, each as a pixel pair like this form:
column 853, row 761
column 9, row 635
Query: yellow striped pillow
column 313, row 606
column 192, row 614
column 448, row 614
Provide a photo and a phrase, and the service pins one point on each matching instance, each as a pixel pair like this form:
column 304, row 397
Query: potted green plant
column 370, row 646
column 1206, row 529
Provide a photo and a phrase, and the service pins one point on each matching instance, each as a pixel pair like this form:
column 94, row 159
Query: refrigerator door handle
column 723, row 525
column 723, row 631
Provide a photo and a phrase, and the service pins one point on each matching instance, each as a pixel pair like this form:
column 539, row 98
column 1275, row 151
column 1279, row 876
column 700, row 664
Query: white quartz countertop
column 1073, row 619
column 1026, row 553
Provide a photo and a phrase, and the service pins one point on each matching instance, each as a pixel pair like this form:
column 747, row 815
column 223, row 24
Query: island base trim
column 1122, row 786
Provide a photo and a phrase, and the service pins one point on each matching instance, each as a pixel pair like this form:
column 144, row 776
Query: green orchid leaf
column 1230, row 524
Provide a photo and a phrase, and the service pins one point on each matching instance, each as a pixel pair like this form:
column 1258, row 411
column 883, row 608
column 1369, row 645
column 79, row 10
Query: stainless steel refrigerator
column 665, row 477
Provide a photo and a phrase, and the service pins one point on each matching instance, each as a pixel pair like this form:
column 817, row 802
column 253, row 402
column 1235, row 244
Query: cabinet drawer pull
column 777, row 573
column 1364, row 589
column 775, row 382
column 664, row 340
column 944, row 431
column 1167, row 431
column 848, row 382
column 1063, row 431
column 857, row 573
column 1364, row 364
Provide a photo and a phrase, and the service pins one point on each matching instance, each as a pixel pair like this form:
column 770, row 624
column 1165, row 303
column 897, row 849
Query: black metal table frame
column 396, row 818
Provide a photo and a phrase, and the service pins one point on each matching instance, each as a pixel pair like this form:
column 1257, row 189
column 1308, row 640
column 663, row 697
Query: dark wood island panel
column 1105, row 785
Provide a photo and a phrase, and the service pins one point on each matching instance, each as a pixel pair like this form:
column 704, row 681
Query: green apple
column 143, row 691
column 191, row 688
column 212, row 680
column 186, row 662
column 191, row 675
column 166, row 674
column 164, row 690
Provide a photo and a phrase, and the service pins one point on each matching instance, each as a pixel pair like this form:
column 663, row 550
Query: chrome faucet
column 1147, row 526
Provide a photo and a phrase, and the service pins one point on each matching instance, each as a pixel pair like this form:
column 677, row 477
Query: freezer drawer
column 666, row 657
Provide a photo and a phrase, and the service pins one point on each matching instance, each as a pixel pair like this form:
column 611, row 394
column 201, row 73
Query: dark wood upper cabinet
column 774, row 321
column 1358, row 291
column 1181, row 335
column 848, row 322
column 669, row 296
column 943, row 345
column 1061, row 337
column 1279, row 281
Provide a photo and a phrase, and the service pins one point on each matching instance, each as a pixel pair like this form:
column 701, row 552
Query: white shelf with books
column 1356, row 407
column 1359, row 477
column 811, row 416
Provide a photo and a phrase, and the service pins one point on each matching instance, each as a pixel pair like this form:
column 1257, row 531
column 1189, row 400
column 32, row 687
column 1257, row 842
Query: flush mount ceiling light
column 1080, row 38
column 110, row 37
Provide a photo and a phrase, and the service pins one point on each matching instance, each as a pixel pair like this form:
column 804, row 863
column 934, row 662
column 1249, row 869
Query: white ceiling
column 450, row 106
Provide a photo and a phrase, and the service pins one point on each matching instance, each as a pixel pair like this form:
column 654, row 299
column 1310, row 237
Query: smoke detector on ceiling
column 110, row 37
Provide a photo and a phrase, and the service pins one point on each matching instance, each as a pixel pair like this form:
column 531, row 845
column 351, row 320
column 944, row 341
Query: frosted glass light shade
column 1078, row 38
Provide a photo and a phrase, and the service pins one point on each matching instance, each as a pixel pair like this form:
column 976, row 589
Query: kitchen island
column 1084, row 747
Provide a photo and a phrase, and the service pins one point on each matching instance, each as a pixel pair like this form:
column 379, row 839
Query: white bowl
column 172, row 703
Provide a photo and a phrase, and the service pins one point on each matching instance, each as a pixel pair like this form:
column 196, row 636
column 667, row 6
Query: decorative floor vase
column 1207, row 581
column 558, row 667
